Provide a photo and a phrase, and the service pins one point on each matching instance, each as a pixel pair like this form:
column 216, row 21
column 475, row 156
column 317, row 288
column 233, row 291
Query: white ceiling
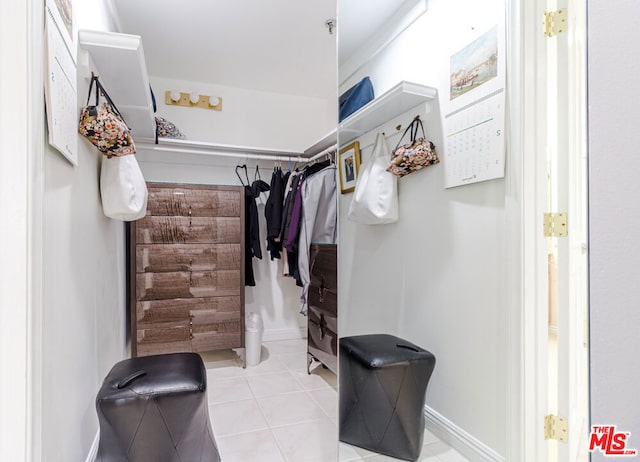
column 359, row 20
column 280, row 46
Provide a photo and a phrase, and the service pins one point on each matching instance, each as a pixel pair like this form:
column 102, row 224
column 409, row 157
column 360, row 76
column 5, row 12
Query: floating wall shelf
column 119, row 61
column 401, row 98
column 324, row 143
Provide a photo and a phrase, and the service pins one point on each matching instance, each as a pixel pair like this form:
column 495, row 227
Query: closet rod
column 213, row 152
column 329, row 150
column 238, row 155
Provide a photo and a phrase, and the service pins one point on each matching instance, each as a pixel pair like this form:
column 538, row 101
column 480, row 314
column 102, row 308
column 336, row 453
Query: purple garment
column 291, row 238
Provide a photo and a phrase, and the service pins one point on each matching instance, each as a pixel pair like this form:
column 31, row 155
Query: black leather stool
column 383, row 381
column 155, row 408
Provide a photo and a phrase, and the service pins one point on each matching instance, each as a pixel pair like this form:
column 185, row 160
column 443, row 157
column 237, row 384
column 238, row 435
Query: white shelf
column 120, row 63
column 398, row 100
column 326, row 142
column 221, row 150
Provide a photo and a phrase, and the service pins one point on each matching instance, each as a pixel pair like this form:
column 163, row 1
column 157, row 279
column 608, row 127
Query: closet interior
column 121, row 62
column 197, row 272
column 292, row 134
column 227, row 99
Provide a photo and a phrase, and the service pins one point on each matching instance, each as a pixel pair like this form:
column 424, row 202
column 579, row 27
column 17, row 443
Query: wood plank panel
column 185, row 202
column 160, row 258
column 221, row 321
column 323, row 298
column 146, row 349
column 323, row 268
column 185, row 230
column 161, row 286
column 322, row 339
column 163, row 335
column 186, row 272
column 215, row 341
column 172, row 311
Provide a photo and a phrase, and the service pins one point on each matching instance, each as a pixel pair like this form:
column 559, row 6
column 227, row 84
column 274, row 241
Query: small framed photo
column 349, row 165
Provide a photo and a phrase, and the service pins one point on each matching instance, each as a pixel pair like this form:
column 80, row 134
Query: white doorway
column 558, row 289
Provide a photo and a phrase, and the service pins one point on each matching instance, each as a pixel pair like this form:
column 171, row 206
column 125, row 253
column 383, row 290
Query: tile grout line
column 271, row 428
column 287, row 370
column 273, row 435
column 322, row 407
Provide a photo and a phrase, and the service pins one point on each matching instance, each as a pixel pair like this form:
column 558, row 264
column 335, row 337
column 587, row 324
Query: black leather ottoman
column 383, row 381
column 155, row 409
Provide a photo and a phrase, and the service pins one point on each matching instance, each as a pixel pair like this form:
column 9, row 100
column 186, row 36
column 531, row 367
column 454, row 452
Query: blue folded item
column 355, row 97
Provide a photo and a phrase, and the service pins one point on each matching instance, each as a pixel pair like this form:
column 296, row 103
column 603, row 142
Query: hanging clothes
column 257, row 188
column 291, row 239
column 288, row 205
column 291, row 258
column 273, row 213
column 293, row 232
column 249, row 279
column 251, row 225
column 288, row 179
column 319, row 220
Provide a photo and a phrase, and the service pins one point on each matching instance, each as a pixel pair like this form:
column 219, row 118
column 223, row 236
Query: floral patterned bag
column 416, row 155
column 104, row 126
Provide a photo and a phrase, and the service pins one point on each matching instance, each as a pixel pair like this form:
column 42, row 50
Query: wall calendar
column 60, row 91
column 474, row 142
column 474, row 113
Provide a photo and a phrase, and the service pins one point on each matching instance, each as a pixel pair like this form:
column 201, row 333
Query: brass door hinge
column 555, row 22
column 556, row 428
column 555, row 225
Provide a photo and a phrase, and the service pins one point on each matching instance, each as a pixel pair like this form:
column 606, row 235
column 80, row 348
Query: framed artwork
column 349, row 166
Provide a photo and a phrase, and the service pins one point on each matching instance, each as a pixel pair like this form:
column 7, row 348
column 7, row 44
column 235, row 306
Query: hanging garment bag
column 375, row 200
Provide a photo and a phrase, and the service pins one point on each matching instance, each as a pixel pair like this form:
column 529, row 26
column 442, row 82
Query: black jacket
column 273, row 213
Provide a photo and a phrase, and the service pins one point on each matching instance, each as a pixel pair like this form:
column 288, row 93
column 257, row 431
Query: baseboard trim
column 467, row 445
column 293, row 333
column 93, row 451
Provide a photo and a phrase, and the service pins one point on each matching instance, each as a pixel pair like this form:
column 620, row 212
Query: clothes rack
column 240, row 152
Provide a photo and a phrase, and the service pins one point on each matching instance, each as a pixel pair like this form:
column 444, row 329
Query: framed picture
column 349, row 165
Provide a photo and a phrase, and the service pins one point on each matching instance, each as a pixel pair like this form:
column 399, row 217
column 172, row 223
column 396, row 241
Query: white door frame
column 529, row 326
column 526, row 201
column 21, row 187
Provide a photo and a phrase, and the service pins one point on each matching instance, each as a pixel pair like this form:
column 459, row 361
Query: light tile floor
column 276, row 412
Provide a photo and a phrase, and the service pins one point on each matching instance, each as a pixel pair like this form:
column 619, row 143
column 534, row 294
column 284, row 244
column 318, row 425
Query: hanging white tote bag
column 123, row 189
column 375, row 199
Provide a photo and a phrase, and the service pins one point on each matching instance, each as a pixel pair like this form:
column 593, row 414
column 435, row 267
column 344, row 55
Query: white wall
column 614, row 216
column 438, row 276
column 248, row 118
column 18, row 255
column 83, row 312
